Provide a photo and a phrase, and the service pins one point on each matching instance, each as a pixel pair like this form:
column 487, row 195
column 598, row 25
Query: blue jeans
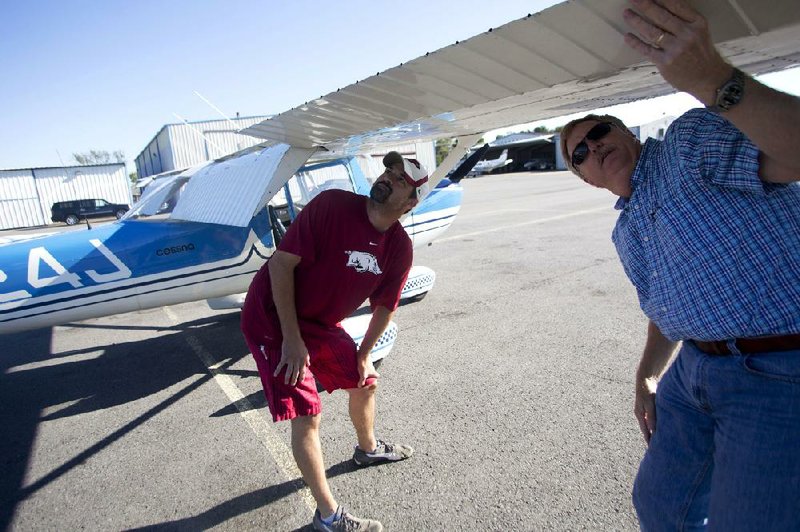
column 726, row 451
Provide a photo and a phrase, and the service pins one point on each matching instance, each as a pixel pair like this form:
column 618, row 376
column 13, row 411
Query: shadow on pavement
column 246, row 503
column 34, row 380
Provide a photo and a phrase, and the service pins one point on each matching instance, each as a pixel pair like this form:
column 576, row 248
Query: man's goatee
column 379, row 193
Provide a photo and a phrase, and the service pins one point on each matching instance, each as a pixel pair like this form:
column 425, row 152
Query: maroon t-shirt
column 343, row 261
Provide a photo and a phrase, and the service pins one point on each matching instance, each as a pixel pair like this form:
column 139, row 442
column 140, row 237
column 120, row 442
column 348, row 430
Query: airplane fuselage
column 144, row 263
column 125, row 266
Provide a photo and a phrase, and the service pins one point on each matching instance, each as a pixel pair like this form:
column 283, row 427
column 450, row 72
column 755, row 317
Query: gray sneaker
column 346, row 522
column 385, row 452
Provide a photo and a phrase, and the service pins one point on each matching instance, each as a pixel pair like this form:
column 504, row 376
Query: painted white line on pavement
column 260, row 426
column 531, row 222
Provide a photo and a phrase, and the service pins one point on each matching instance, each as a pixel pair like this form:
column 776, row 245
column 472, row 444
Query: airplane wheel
column 72, row 219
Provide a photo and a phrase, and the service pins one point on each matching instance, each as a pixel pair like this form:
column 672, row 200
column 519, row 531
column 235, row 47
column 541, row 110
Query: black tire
column 120, row 213
column 71, row 219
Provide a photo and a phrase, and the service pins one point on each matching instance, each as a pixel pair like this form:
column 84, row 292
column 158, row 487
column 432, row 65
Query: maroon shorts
column 333, row 361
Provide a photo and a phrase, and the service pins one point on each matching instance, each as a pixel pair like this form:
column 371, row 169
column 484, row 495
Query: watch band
column 730, row 93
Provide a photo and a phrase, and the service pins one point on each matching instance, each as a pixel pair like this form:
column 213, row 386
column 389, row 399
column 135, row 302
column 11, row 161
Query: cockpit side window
column 313, row 179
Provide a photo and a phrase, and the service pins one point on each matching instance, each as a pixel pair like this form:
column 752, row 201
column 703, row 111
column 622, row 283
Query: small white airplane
column 202, row 233
column 487, row 165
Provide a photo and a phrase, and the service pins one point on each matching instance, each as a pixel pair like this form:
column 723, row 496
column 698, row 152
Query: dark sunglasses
column 581, row 151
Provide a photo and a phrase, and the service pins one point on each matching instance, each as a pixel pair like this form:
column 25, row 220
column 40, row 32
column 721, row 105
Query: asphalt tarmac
column 513, row 380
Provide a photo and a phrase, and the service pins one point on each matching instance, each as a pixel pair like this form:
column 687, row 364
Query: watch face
column 731, row 93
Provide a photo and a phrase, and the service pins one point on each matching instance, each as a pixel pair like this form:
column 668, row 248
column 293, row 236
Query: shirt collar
column 638, row 176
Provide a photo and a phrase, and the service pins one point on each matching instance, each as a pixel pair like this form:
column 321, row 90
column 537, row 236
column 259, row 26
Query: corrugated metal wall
column 424, row 152
column 149, row 161
column 179, row 146
column 26, row 195
column 19, row 200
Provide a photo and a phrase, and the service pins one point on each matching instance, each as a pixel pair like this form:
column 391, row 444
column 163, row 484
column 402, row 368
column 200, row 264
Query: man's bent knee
column 306, row 423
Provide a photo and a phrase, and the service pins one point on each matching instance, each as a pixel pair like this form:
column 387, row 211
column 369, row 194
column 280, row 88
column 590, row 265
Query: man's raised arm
column 676, row 38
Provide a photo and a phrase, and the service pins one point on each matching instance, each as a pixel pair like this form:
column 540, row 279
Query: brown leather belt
column 763, row 344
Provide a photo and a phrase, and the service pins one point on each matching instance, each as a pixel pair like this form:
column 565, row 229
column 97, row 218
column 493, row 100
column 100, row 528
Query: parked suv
column 72, row 212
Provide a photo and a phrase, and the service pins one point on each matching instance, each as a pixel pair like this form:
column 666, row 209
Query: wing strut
column 468, row 164
column 463, row 144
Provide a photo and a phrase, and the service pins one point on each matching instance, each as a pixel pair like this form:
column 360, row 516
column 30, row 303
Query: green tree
column 443, row 147
column 134, row 177
column 99, row 157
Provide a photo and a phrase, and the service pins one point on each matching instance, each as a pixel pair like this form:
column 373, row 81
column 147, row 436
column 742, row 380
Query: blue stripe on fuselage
column 440, row 198
column 176, row 281
column 144, row 247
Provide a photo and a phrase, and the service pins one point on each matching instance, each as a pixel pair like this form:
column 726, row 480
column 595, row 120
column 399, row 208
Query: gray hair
column 566, row 130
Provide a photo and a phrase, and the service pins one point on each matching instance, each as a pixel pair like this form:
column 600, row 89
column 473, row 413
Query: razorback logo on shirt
column 363, row 262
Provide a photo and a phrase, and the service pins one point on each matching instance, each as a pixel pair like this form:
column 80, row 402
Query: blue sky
column 84, row 75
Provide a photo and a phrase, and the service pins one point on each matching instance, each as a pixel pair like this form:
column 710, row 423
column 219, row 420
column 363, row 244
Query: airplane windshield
column 159, row 199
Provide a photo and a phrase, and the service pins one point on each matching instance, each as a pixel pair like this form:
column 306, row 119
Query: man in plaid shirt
column 709, row 234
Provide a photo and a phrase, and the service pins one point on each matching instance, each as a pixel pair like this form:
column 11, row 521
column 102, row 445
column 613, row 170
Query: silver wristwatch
column 730, row 93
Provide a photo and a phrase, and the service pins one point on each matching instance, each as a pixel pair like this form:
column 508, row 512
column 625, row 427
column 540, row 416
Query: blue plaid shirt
column 713, row 251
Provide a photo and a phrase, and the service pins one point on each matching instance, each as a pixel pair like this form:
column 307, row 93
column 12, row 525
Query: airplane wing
column 566, row 59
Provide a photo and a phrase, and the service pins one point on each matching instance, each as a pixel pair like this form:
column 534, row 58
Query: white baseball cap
column 413, row 172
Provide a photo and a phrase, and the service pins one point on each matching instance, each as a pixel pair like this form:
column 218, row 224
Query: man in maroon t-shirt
column 342, row 249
